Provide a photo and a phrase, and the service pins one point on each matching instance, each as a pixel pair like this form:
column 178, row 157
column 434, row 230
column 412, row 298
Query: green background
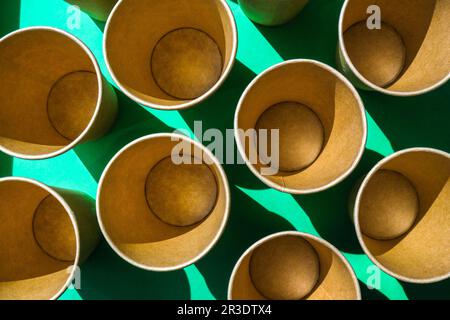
column 256, row 211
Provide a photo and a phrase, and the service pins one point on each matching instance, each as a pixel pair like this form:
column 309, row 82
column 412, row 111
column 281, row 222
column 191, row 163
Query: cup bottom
column 72, row 102
column 301, row 134
column 378, row 54
column 53, row 230
column 181, row 195
column 186, row 63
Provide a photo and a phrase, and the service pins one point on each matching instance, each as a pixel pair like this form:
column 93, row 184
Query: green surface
column 394, row 124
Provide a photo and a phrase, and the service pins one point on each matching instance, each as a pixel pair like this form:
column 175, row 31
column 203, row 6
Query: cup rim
column 297, row 234
column 370, row 85
column 189, row 103
column 94, row 117
column 274, row 185
column 356, row 214
column 71, row 214
column 225, row 218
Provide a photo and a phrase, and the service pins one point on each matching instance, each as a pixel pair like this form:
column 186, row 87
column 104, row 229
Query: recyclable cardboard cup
column 408, row 56
column 321, row 122
column 170, row 54
column 157, row 213
column 272, row 12
column 44, row 235
column 97, row 9
column 52, row 94
column 293, row 266
column 402, row 215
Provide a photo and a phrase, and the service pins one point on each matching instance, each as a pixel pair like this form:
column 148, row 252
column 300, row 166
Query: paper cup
column 408, row 56
column 44, row 235
column 52, row 94
column 402, row 215
column 272, row 12
column 158, row 215
column 98, row 9
column 293, row 266
column 321, row 122
column 170, row 54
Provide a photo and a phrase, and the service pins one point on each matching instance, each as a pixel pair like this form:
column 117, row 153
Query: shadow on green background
column 10, row 18
column 5, row 165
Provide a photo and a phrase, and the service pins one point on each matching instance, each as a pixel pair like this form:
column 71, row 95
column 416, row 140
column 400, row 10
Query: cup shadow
column 420, row 121
column 106, row 276
column 370, row 294
column 5, row 165
column 132, row 122
column 329, row 209
column 10, row 17
column 248, row 223
column 433, row 291
column 311, row 35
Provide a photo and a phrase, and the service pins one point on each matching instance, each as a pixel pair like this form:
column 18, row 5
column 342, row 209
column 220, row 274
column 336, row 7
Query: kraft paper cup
column 158, row 215
column 402, row 215
column 170, row 54
column 293, row 266
column 52, row 94
column 97, row 9
column 44, row 235
column 272, row 12
column 321, row 122
column 408, row 56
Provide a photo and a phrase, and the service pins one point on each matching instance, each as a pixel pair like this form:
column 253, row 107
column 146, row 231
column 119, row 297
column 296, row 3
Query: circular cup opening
column 320, row 121
column 163, row 202
column 49, row 93
column 405, row 54
column 39, row 245
column 401, row 215
column 181, row 51
column 293, row 266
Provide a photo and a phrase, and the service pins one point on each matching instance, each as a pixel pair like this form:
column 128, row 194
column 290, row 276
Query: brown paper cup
column 44, row 235
column 52, row 94
column 170, row 54
column 408, row 56
column 97, row 9
column 294, row 266
column 321, row 122
column 401, row 215
column 272, row 12
column 161, row 216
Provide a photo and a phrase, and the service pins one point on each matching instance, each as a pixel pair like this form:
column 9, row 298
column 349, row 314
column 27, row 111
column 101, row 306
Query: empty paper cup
column 402, row 215
column 52, row 94
column 97, row 9
column 272, row 12
column 45, row 233
column 293, row 266
column 321, row 123
column 396, row 47
column 170, row 54
column 163, row 202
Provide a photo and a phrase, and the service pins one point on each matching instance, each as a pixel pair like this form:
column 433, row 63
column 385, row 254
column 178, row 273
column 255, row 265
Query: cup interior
column 166, row 54
column 410, row 52
column 334, row 104
column 48, row 94
column 335, row 278
column 38, row 246
column 420, row 254
column 149, row 234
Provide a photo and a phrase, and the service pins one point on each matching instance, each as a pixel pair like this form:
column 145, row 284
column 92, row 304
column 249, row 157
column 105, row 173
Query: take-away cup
column 402, row 215
column 163, row 202
column 52, row 94
column 170, row 54
column 293, row 266
column 45, row 234
column 396, row 47
column 321, row 126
